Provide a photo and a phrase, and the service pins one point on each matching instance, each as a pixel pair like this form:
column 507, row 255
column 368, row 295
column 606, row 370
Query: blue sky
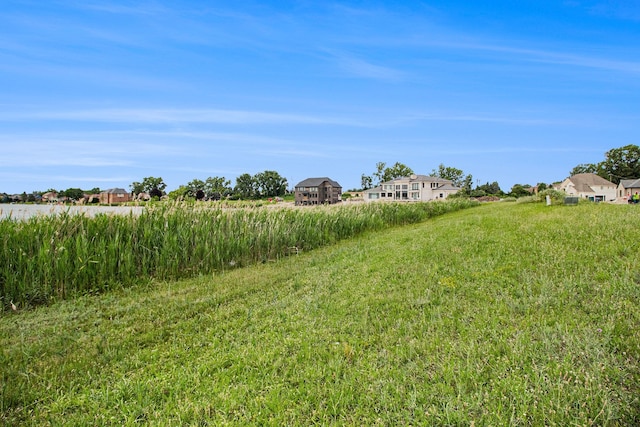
column 101, row 94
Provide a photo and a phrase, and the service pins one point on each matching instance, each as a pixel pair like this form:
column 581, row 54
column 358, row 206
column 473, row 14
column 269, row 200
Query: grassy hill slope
column 516, row 314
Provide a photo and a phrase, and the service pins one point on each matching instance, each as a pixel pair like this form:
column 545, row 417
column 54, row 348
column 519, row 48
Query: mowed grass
column 505, row 314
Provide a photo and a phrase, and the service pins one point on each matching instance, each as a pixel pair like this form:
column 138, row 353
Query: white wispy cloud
column 73, row 179
column 77, row 150
column 361, row 68
column 555, row 57
column 169, row 115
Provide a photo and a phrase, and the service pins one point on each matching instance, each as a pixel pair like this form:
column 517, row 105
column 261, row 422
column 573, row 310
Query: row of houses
column 106, row 197
column 315, row 191
column 595, row 188
column 324, row 190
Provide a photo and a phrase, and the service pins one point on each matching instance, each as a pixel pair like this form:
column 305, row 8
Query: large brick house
column 114, row 195
column 317, row 191
column 412, row 188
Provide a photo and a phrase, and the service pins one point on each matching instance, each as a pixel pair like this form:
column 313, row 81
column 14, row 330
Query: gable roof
column 630, row 183
column 316, row 182
column 115, row 191
column 448, row 186
column 588, row 179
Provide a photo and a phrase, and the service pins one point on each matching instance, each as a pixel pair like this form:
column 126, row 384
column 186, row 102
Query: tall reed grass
column 57, row 256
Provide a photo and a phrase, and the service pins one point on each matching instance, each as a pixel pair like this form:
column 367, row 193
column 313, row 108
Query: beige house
column 413, row 188
column 589, row 186
column 50, row 197
column 627, row 188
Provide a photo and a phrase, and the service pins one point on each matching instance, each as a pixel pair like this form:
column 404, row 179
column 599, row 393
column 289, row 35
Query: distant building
column 50, row 197
column 412, row 188
column 588, row 186
column 114, row 195
column 317, row 191
column 627, row 188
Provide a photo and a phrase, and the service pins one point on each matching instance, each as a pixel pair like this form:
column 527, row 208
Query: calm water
column 18, row 211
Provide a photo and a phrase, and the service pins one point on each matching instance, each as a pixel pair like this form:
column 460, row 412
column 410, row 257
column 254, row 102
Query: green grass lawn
column 505, row 314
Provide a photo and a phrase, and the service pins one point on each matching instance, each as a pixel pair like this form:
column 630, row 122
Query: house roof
column 115, row 191
column 316, row 182
column 583, row 188
column 589, row 179
column 630, row 183
column 419, row 178
column 448, row 187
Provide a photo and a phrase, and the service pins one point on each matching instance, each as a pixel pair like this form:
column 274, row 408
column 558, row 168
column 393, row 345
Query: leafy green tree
column 398, row 170
column 487, row 189
column 379, row 174
column 366, row 182
column 519, row 190
column 468, row 183
column 620, row 163
column 152, row 185
column 217, row 187
column 456, row 176
column 72, row 193
column 270, row 184
column 384, row 173
column 246, row 187
column 180, row 193
column 584, row 168
column 195, row 188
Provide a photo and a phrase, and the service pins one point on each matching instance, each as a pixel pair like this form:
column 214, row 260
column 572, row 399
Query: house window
column 415, row 186
column 404, row 195
column 389, row 194
column 397, row 187
column 405, row 186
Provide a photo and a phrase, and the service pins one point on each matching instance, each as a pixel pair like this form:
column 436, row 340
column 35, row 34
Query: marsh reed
column 57, row 256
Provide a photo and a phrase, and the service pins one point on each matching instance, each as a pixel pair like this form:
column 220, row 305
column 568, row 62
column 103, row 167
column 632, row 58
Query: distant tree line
column 248, row 187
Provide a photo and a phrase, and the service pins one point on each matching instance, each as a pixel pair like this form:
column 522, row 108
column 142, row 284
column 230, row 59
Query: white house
column 589, row 186
column 411, row 188
column 627, row 188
